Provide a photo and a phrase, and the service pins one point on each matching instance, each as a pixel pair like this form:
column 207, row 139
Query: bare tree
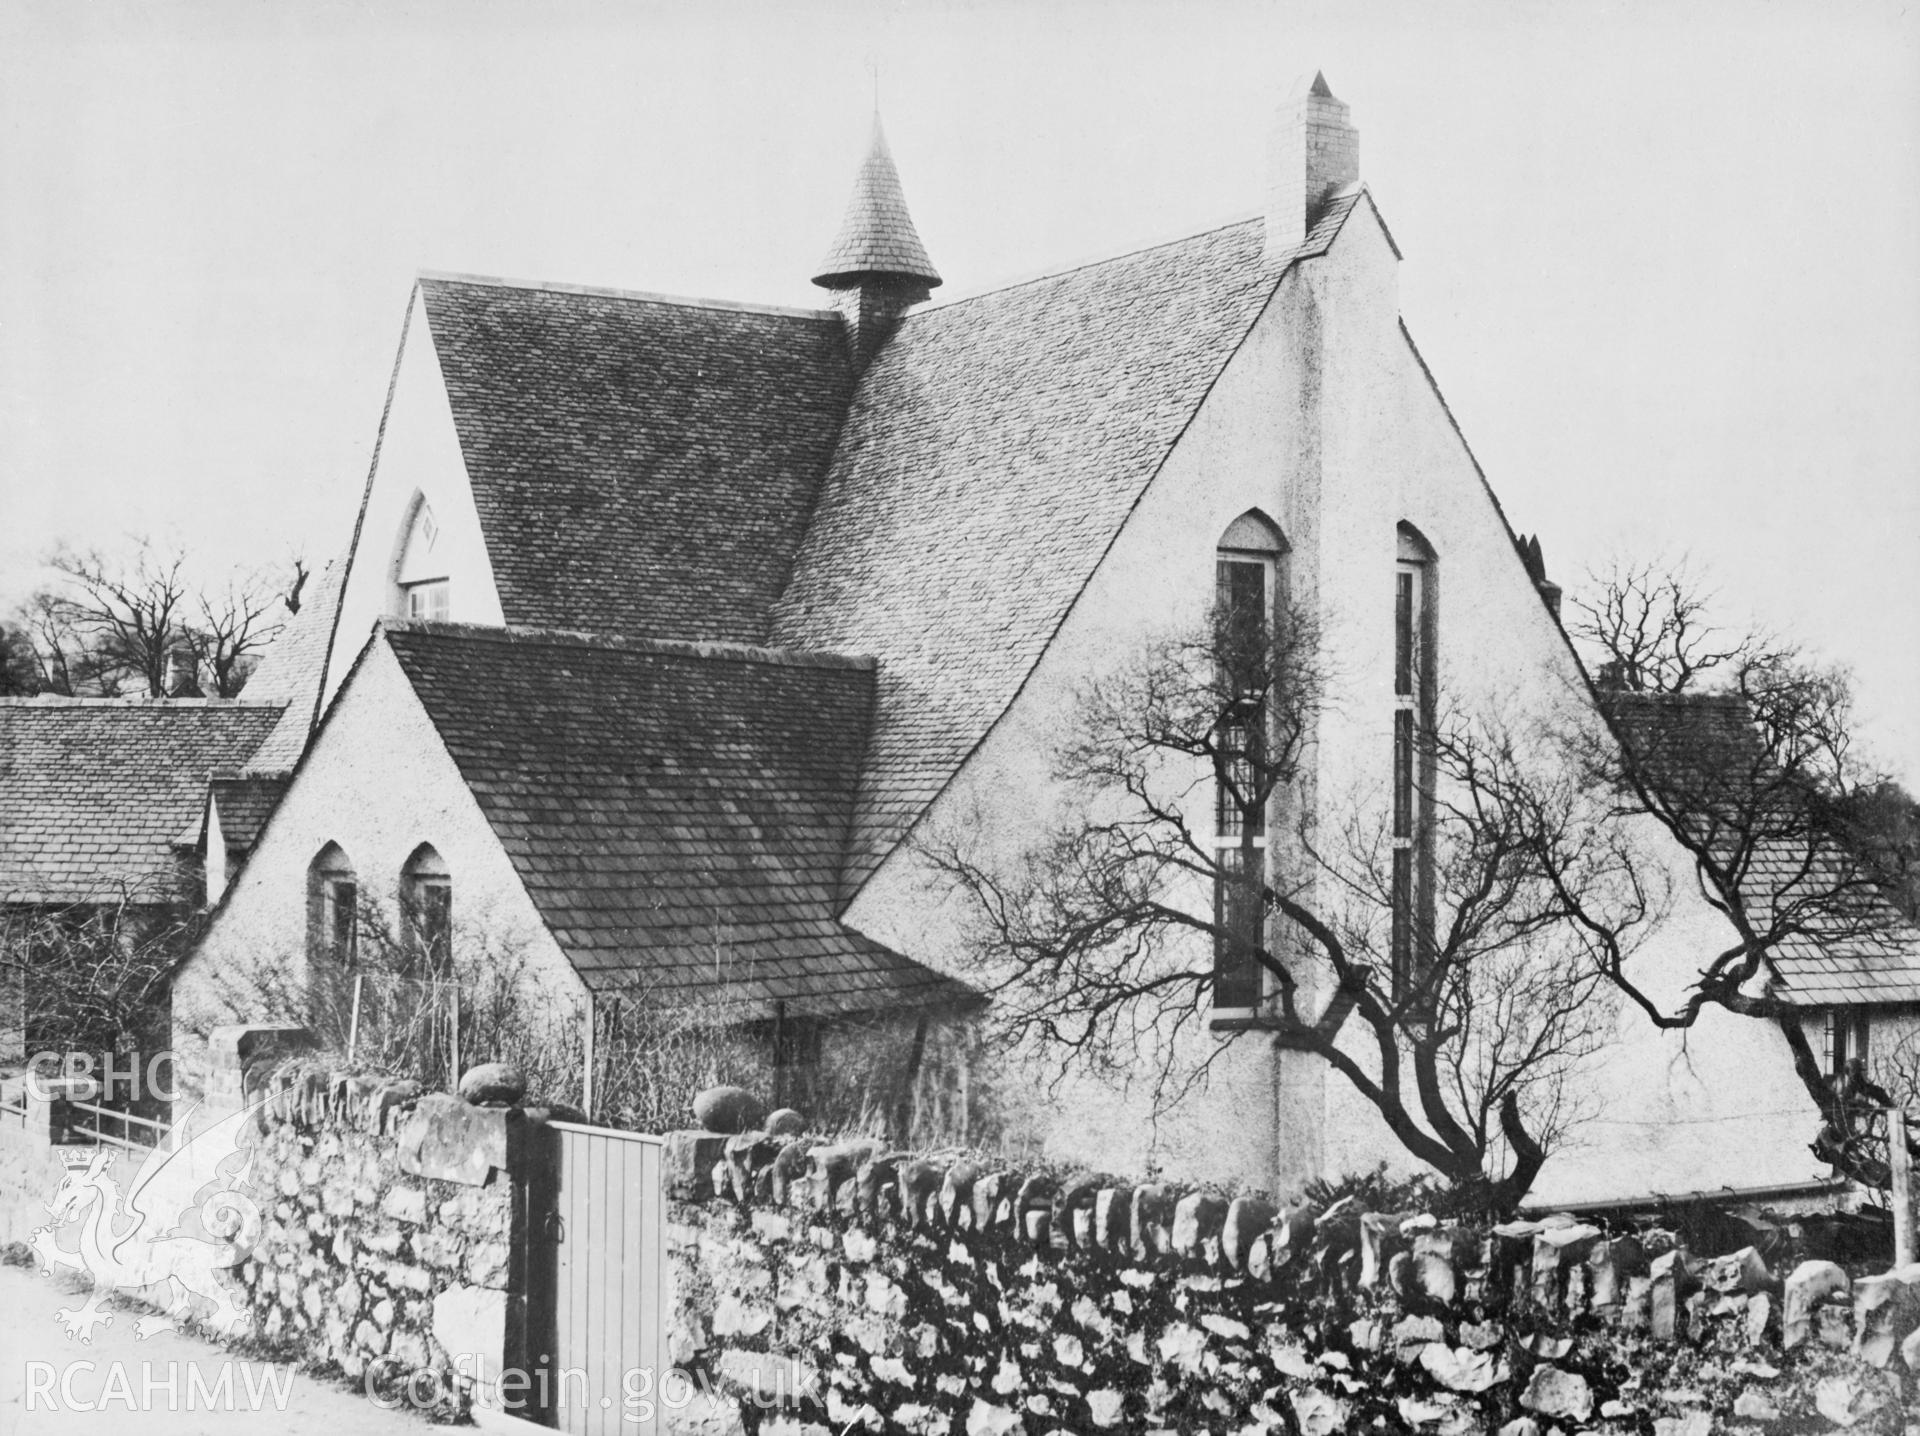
column 1458, row 1005
column 232, row 624
column 141, row 620
column 20, row 674
column 132, row 612
column 1740, row 748
column 61, row 650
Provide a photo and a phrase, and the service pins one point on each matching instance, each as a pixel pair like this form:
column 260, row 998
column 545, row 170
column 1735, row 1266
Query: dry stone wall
column 842, row 1286
column 389, row 1230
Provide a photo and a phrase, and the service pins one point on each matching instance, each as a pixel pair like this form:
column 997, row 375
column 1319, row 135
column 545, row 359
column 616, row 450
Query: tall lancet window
column 421, row 568
column 1248, row 572
column 1415, row 583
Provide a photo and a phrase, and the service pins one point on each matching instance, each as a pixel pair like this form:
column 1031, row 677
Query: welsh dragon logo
column 182, row 1224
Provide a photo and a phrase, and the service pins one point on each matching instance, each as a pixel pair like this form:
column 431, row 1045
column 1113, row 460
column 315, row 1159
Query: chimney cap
column 877, row 240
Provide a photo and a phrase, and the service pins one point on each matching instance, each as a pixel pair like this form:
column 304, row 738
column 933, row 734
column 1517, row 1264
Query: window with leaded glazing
column 1247, row 575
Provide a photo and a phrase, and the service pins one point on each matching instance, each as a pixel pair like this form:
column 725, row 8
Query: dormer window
column 420, row 570
column 425, row 600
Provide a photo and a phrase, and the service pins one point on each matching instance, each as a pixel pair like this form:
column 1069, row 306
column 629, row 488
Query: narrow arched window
column 426, row 905
column 422, row 582
column 1415, row 605
column 1248, row 578
column 333, row 902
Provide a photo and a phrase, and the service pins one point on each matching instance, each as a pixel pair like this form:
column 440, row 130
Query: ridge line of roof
column 638, row 296
column 1697, row 695
column 1074, row 267
column 136, row 702
column 621, row 643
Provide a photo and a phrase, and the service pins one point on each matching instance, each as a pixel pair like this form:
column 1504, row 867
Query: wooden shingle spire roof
column 877, row 239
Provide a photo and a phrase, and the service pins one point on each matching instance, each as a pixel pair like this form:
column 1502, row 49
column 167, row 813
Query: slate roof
column 1702, row 747
column 93, row 791
column 992, row 451
column 677, row 812
column 292, row 670
column 641, row 466
column 244, row 805
column 877, row 238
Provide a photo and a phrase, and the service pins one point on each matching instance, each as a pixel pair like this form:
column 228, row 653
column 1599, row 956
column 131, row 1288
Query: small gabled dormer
column 877, row 268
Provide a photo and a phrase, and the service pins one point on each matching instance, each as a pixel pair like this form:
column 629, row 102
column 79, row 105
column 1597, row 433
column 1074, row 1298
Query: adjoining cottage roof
column 877, row 239
column 992, row 452
column 641, row 466
column 244, row 805
column 93, row 791
column 677, row 812
column 1702, row 748
column 292, row 670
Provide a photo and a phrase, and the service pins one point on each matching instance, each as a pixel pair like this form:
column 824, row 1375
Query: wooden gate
column 597, row 1303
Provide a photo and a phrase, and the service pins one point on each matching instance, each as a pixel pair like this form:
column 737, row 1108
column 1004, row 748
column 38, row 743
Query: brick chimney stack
column 1315, row 154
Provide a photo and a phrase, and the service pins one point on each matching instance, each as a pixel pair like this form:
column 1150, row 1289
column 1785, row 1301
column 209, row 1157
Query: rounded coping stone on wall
column 1807, row 1286
column 876, row 1190
column 989, row 1191
column 1112, row 1218
column 1033, row 1208
column 785, row 1123
column 1247, row 1220
column 493, row 1084
column 838, row 1163
column 1337, row 1229
column 1074, row 1203
column 1381, row 1235
column 1197, row 1219
column 791, row 1167
column 956, row 1194
column 1152, row 1218
column 728, row 1110
column 921, row 1182
column 1293, row 1233
column 747, row 1155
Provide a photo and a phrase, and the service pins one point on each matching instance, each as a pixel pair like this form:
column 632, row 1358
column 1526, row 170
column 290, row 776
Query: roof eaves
column 359, row 523
column 622, row 643
column 1361, row 191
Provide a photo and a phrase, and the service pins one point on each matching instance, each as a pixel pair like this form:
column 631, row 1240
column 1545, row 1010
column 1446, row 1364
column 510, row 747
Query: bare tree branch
column 1103, row 941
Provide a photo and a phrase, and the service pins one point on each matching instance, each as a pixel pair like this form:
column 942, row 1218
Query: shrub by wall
column 842, row 1286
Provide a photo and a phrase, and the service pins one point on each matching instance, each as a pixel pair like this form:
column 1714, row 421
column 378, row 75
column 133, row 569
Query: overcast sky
column 1665, row 261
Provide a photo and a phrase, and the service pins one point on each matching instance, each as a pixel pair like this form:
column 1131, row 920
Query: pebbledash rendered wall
column 840, row 1287
column 377, row 740
column 1327, row 421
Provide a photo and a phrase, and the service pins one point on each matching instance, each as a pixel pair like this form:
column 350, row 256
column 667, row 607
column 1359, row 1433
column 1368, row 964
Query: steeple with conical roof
column 877, row 268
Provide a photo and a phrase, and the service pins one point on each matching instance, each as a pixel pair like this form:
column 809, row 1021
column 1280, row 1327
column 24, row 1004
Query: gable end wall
column 1326, row 421
column 379, row 782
